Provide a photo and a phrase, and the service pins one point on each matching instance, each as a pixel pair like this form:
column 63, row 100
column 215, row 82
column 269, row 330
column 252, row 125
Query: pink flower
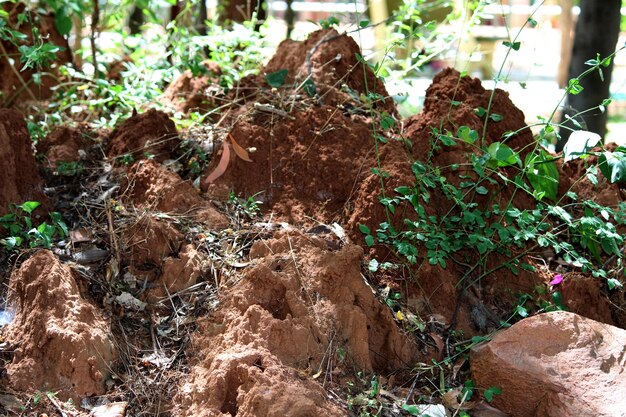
column 558, row 278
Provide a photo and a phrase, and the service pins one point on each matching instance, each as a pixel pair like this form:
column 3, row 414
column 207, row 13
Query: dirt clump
column 189, row 92
column 62, row 343
column 149, row 240
column 330, row 59
column 20, row 177
column 64, row 144
column 305, row 166
column 582, row 294
column 296, row 306
column 13, row 88
column 151, row 186
column 152, row 132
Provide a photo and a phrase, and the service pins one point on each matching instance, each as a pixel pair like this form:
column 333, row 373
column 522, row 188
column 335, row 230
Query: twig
column 95, row 17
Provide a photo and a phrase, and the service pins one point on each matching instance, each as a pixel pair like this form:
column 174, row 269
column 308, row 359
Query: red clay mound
column 11, row 86
column 305, row 167
column 294, row 310
column 152, row 249
column 332, row 60
column 452, row 101
column 64, row 144
column 20, row 176
column 151, row 186
column 192, row 93
column 152, row 132
column 62, row 344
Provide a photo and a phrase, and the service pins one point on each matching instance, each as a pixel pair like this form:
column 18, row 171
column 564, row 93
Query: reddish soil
column 152, row 132
column 303, row 169
column 188, row 93
column 11, row 85
column 331, row 60
column 295, row 309
column 151, row 186
column 61, row 342
column 64, row 144
column 20, row 176
column 282, row 317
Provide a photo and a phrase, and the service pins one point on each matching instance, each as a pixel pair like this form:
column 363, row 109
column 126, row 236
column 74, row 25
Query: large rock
column 62, row 343
column 20, row 176
column 555, row 364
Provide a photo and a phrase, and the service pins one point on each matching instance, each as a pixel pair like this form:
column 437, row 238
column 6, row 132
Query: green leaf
column 574, row 86
column 364, row 229
column 501, row 155
column 309, row 87
column 542, row 173
column 513, row 45
column 29, row 206
column 369, row 240
column 62, row 22
column 482, row 190
column 613, row 283
column 364, row 23
column 373, row 265
column 467, row 135
column 579, row 143
column 490, row 392
column 496, row 117
column 276, row 79
column 613, row 166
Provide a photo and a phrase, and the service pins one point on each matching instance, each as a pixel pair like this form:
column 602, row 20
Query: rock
column 20, row 177
column 62, row 342
column 555, row 364
column 152, row 132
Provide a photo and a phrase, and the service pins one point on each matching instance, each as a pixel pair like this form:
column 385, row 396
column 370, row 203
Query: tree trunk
column 597, row 30
column 566, row 24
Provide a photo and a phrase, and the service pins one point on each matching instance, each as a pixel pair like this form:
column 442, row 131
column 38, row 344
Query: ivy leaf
column 276, row 79
column 501, row 155
column 29, row 206
column 613, row 165
column 62, row 22
column 542, row 173
column 490, row 392
column 513, row 45
column 579, row 143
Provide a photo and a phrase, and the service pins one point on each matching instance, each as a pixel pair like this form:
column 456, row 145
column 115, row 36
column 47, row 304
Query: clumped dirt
column 303, row 168
column 583, row 295
column 20, row 175
column 151, row 186
column 12, row 87
column 65, row 144
column 330, row 59
column 298, row 306
column 192, row 93
column 61, row 341
column 152, row 132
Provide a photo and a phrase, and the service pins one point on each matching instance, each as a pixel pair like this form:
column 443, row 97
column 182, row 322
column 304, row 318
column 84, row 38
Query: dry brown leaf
column 239, row 151
column 221, row 166
column 439, row 342
column 457, row 367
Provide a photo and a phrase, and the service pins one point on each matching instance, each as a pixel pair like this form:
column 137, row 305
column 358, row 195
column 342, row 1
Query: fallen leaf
column 221, row 166
column 457, row 367
column 239, row 151
column 439, row 342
